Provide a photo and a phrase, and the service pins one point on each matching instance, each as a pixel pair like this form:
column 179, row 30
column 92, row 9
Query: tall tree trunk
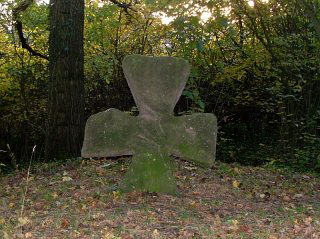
column 66, row 89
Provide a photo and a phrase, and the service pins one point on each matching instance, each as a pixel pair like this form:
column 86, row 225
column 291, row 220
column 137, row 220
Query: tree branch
column 19, row 27
column 124, row 6
column 24, row 43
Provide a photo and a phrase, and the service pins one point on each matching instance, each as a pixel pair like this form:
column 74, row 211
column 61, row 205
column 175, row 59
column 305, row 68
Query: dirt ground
column 79, row 199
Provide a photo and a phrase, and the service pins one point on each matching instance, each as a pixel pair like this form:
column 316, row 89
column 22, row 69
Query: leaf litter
column 79, row 199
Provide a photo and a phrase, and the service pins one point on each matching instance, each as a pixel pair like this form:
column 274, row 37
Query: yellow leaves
column 304, row 225
column 298, row 196
column 108, row 235
column 83, row 207
column 155, row 233
column 265, row 195
column 46, row 222
column 54, row 195
column 234, row 225
column 28, row 235
column 217, row 220
column 236, row 184
column 193, row 204
column 116, row 195
column 273, row 237
column 307, row 221
column 11, row 205
column 65, row 177
column 237, row 170
column 5, row 235
column 23, row 221
column 97, row 215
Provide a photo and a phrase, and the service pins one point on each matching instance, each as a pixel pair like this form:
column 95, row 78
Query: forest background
column 255, row 65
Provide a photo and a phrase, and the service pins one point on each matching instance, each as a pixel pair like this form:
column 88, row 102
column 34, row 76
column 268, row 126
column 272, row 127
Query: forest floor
column 78, row 199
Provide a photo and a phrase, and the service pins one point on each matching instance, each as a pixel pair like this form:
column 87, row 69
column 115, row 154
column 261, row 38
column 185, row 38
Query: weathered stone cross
column 155, row 134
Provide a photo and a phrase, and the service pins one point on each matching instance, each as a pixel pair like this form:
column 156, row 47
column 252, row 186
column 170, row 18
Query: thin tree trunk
column 66, row 87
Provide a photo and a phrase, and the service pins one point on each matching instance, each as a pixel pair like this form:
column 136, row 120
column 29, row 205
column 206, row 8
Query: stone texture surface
column 155, row 82
column 155, row 134
column 109, row 134
column 115, row 133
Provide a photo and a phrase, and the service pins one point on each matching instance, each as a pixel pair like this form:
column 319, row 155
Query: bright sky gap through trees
column 167, row 19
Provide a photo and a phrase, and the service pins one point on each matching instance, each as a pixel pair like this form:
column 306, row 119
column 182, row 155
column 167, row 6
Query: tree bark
column 65, row 127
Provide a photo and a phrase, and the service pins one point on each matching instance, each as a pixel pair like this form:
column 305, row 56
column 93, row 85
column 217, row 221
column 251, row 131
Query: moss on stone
column 156, row 84
column 194, row 154
column 150, row 172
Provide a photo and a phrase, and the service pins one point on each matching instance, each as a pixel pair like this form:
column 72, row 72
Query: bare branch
column 125, row 6
column 19, row 27
column 24, row 43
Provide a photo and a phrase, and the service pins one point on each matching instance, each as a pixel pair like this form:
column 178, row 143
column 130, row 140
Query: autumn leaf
column 245, row 229
column 66, row 179
column 23, row 221
column 64, row 223
column 155, row 233
column 108, row 235
column 54, row 195
column 234, row 225
column 286, row 198
column 28, row 235
column 308, row 221
column 273, row 237
column 236, row 170
column 116, row 194
column 298, row 196
column 236, row 184
column 193, row 204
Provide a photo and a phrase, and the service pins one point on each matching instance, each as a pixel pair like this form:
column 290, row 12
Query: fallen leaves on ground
column 79, row 199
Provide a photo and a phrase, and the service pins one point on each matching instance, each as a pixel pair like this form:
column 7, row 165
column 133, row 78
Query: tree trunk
column 66, row 87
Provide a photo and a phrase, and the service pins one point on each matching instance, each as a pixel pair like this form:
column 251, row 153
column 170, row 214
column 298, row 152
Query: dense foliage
column 255, row 64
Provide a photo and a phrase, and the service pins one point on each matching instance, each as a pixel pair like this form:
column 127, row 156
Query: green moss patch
column 150, row 172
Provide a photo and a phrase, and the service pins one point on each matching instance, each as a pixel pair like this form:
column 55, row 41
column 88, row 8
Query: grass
column 79, row 199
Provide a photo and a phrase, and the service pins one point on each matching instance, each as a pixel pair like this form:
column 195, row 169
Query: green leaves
column 150, row 1
column 200, row 46
column 211, row 4
column 198, row 104
column 223, row 22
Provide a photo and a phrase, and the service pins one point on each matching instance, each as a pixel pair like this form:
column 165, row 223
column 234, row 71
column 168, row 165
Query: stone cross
column 156, row 84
